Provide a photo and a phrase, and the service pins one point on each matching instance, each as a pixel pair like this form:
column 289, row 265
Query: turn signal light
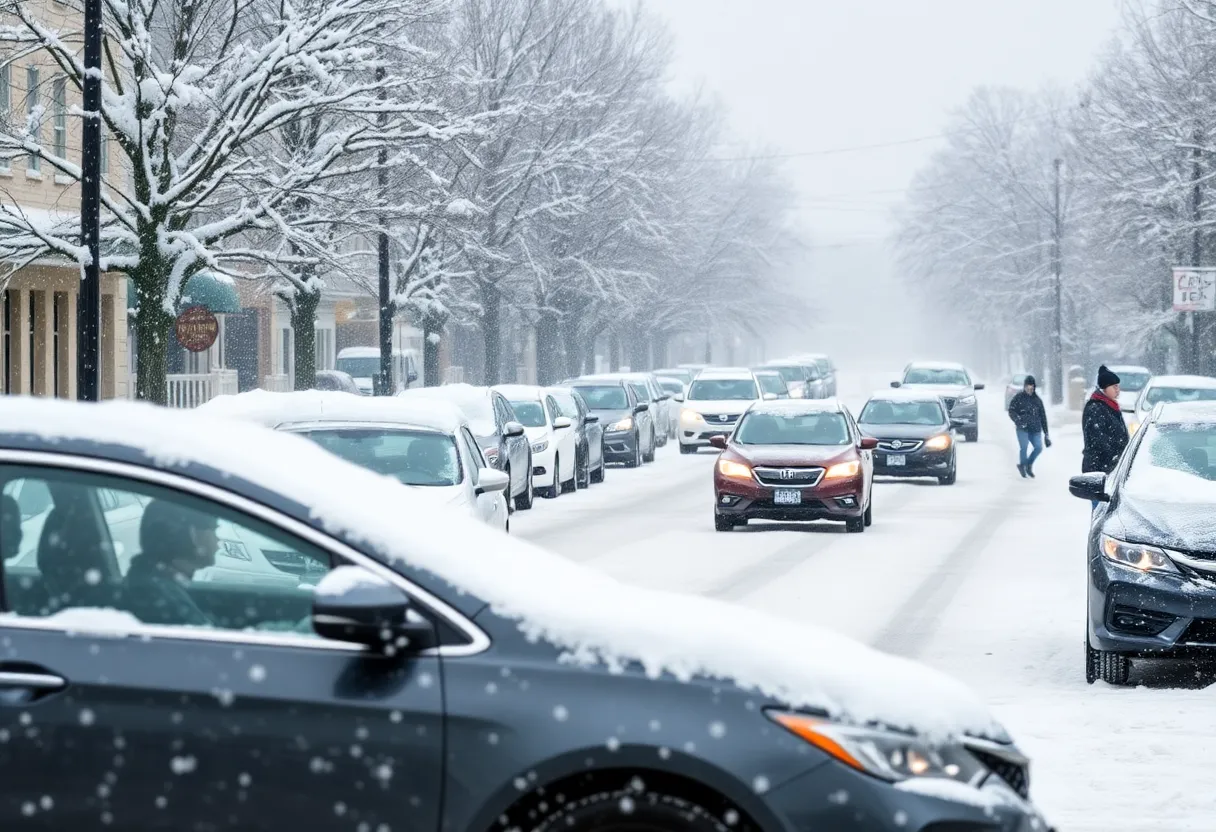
column 734, row 470
column 843, row 469
column 938, row 443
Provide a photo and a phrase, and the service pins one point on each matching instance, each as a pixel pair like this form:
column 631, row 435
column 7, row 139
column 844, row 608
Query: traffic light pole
column 88, row 302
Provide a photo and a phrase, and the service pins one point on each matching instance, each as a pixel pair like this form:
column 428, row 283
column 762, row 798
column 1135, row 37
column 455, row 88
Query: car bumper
column 620, row 447
column 1147, row 612
column 835, row 797
column 542, row 467
column 968, row 415
column 699, row 435
column 836, row 500
column 919, row 464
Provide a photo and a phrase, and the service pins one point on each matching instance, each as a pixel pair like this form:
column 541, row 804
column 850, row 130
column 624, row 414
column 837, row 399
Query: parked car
column 662, row 405
column 685, row 375
column 498, row 432
column 440, row 675
column 363, row 365
column 796, row 460
column 715, row 401
column 422, row 444
column 677, row 390
column 799, row 378
column 827, row 371
column 1132, row 379
column 953, row 383
column 914, row 435
column 553, row 437
column 337, row 381
column 629, row 433
column 1169, row 389
column 772, row 385
column 590, row 464
column 1014, row 386
column 1152, row 561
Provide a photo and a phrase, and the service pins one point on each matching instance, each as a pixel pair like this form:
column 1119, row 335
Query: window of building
column 105, row 151
column 286, row 352
column 8, row 341
column 59, row 112
column 325, row 349
column 6, row 109
column 33, row 112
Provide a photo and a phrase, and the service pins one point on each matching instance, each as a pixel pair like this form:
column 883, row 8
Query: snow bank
column 271, row 409
column 591, row 616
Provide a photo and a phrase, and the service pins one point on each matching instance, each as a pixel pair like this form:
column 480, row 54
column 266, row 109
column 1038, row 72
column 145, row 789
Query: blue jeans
column 1027, row 439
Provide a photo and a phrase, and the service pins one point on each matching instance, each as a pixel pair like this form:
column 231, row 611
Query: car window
column 414, row 457
column 1133, row 382
column 163, row 557
column 1170, row 456
column 1156, row 395
column 881, row 412
column 927, row 375
column 772, row 383
column 472, row 454
column 640, row 390
column 605, row 397
column 671, row 386
column 723, row 389
column 566, row 405
column 503, row 410
column 554, row 410
column 780, row 428
column 531, row 414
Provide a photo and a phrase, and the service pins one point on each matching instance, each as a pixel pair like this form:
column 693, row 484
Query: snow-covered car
column 914, row 435
column 663, row 406
column 628, row 428
column 677, row 390
column 683, row 374
column 772, row 385
column 954, row 384
column 363, row 365
column 435, row 651
column 715, row 401
column 1169, row 389
column 553, row 437
column 589, row 431
column 1132, row 379
column 802, row 379
column 425, row 445
column 1015, row 385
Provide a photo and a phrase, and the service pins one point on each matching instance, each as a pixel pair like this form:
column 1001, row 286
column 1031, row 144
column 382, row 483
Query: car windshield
column 531, row 414
column 565, row 403
column 359, row 367
column 772, row 383
column 945, row 378
column 1156, row 395
column 1133, row 382
column 790, row 373
column 605, row 397
column 881, row 412
column 671, row 386
column 413, row 457
column 640, row 390
column 1186, row 452
column 723, row 390
column 765, row 428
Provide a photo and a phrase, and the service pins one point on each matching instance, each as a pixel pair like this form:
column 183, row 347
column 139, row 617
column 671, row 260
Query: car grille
column 900, row 446
column 721, row 418
column 790, row 477
column 950, row 402
column 1017, row 776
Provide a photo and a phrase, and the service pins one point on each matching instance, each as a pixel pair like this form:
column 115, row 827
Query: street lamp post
column 88, row 306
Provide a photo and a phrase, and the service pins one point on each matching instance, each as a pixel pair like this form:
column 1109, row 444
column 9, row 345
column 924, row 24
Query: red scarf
column 1099, row 396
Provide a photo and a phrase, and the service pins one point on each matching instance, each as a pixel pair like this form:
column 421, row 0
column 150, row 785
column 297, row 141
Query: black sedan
column 629, row 435
column 589, row 464
column 438, row 676
column 1152, row 546
column 914, row 436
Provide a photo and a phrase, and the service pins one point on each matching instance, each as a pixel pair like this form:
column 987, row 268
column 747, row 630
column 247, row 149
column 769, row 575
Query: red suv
column 795, row 460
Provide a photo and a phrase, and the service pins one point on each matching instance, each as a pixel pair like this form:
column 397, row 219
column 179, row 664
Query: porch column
column 19, row 339
column 109, row 349
column 44, row 342
column 67, row 345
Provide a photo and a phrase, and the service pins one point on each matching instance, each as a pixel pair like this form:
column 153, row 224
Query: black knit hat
column 1106, row 378
column 1029, row 380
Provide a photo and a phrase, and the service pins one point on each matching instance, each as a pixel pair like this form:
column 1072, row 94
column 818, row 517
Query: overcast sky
column 812, row 75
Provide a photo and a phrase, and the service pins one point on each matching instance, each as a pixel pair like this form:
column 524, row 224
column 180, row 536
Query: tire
column 951, row 478
column 597, row 475
column 1112, row 668
column 525, row 501
column 972, row 435
column 634, row 808
column 582, row 473
column 723, row 524
column 688, row 449
column 868, row 517
column 855, row 525
column 554, row 491
column 636, row 462
column 650, row 456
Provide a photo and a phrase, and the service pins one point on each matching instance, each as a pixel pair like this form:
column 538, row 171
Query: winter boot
column 1030, row 471
column 1022, row 470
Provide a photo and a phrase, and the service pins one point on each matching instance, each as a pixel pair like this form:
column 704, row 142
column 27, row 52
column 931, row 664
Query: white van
column 363, row 365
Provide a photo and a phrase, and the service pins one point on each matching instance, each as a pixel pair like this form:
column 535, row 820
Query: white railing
column 186, row 390
column 453, row 375
column 226, row 383
column 278, row 383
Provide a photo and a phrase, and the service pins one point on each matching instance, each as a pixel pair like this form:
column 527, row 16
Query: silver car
column 953, row 383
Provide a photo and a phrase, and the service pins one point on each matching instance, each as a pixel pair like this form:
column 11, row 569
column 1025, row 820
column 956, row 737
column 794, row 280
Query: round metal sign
column 197, row 328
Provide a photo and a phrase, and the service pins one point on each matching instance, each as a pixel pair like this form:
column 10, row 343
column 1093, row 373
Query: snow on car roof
column 592, row 617
column 904, row 395
column 320, row 406
column 460, row 392
column 797, row 406
column 1199, row 382
column 937, row 365
column 1178, row 413
column 724, row 373
column 521, row 392
column 1128, row 368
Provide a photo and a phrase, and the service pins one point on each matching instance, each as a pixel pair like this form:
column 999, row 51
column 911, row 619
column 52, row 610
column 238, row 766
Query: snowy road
column 984, row 580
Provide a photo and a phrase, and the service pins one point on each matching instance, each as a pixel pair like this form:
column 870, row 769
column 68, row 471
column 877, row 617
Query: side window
column 164, row 557
column 473, row 452
column 505, row 413
column 551, row 406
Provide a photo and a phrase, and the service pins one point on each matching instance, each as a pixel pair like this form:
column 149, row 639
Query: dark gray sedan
column 438, row 676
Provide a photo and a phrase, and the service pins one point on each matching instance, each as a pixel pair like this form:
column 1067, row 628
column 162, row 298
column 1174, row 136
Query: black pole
column 1196, row 245
column 88, row 301
column 386, row 301
column 1057, row 340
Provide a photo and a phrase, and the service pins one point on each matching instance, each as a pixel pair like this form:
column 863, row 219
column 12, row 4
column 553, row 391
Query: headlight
column 843, row 469
column 624, row 424
column 690, row 416
column 888, row 755
column 938, row 443
column 967, row 400
column 539, row 447
column 734, row 470
column 1135, row 426
column 1144, row 558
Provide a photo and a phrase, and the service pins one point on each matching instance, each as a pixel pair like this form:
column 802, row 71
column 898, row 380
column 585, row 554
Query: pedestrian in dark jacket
column 1030, row 419
column 1102, row 426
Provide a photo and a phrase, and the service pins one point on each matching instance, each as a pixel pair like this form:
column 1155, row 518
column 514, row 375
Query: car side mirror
column 679, row 398
column 768, row 397
column 979, row 386
column 642, row 408
column 868, row 443
column 562, row 422
column 591, row 418
column 513, row 429
column 895, row 384
column 718, row 442
column 1091, row 486
column 353, row 604
column 490, row 480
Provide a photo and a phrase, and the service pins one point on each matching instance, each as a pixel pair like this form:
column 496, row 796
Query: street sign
column 197, row 328
column 1194, row 289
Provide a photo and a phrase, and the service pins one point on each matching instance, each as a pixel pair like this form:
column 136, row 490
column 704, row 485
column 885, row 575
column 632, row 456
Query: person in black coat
column 1102, row 426
column 1030, row 419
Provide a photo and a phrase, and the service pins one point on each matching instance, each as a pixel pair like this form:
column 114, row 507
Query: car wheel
column 525, row 501
column 573, row 484
column 636, row 460
column 582, row 473
column 972, row 435
column 555, row 491
column 855, row 525
column 950, row 478
column 723, row 524
column 868, row 517
column 635, row 808
column 650, row 456
column 1112, row 668
column 688, row 449
column 598, row 474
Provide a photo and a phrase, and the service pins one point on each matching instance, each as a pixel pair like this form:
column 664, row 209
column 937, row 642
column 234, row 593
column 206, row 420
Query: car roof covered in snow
column 594, row 619
column 459, row 392
column 724, row 373
column 330, row 406
column 936, row 365
column 1197, row 382
column 797, row 406
column 901, row 394
column 521, row 392
column 1186, row 413
column 1128, row 368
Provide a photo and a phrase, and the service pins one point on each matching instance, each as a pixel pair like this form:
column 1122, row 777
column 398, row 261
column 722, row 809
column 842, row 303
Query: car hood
column 954, row 391
column 793, row 455
column 728, row 406
column 903, row 431
column 1166, row 508
column 538, row 434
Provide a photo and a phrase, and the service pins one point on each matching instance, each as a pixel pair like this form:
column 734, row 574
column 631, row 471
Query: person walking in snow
column 1102, row 426
column 1030, row 419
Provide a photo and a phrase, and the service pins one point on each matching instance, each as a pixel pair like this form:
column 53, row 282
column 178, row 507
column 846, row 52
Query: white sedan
column 553, row 437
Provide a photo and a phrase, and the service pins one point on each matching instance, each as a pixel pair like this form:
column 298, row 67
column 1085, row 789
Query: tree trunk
column 432, row 336
column 303, row 307
column 614, row 351
column 658, row 348
column 153, row 331
column 639, row 346
column 548, row 348
column 491, row 332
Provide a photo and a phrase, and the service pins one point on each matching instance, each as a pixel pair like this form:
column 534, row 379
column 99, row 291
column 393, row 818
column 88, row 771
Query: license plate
column 896, row 460
column 787, row 497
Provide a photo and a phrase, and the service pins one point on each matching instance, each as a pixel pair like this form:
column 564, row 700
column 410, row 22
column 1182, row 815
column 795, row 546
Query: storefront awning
column 215, row 293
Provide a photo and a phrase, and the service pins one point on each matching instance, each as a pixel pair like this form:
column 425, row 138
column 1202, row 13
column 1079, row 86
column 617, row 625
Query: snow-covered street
column 983, row 580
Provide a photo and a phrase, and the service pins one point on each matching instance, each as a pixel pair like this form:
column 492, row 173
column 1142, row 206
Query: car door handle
column 31, row 681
